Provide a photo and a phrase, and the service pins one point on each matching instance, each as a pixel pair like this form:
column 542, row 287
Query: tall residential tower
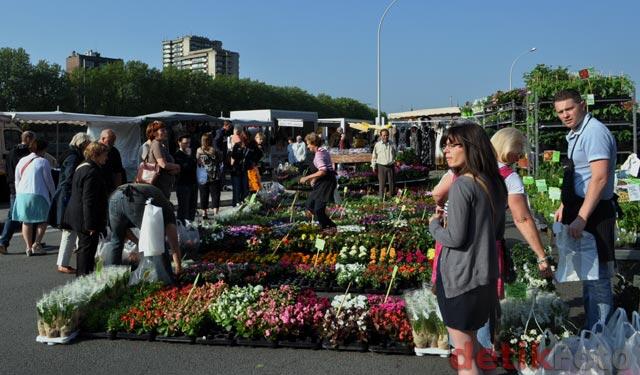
column 200, row 54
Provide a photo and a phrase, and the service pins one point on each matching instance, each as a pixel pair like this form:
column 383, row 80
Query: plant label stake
column 344, row 297
column 320, row 246
column 193, row 288
column 424, row 212
column 295, row 197
column 393, row 277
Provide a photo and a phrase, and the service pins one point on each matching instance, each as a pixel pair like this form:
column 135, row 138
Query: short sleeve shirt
column 593, row 141
column 159, row 150
column 322, row 160
column 513, row 182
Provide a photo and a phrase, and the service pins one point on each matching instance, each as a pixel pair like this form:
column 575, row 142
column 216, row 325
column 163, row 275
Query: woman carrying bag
column 158, row 157
column 211, row 162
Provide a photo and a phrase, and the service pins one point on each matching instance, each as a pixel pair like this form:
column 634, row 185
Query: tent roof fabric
column 425, row 113
column 55, row 117
column 178, row 116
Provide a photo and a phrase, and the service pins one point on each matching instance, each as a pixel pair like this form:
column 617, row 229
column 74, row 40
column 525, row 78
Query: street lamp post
column 379, row 119
column 514, row 63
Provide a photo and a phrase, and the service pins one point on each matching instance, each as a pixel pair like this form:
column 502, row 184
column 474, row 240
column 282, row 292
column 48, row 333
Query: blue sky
column 433, row 52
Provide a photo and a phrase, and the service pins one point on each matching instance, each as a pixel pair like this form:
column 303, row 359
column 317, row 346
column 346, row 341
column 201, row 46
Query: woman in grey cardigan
column 468, row 263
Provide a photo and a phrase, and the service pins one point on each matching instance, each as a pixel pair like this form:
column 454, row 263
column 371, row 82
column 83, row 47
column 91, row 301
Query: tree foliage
column 133, row 88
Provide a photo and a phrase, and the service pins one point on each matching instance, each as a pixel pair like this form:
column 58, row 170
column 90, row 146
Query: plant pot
column 42, row 330
column 259, row 342
column 421, row 339
column 300, row 343
column 357, row 346
column 443, row 342
column 392, row 347
column 177, row 339
column 219, row 338
column 137, row 337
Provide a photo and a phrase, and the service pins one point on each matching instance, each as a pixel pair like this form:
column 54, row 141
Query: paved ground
column 23, row 280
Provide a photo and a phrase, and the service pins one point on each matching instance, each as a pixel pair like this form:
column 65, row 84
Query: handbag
column 148, row 173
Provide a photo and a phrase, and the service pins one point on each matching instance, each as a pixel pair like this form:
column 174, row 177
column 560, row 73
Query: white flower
column 513, row 341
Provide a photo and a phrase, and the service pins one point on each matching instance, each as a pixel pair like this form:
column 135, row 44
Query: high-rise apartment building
column 91, row 59
column 200, row 54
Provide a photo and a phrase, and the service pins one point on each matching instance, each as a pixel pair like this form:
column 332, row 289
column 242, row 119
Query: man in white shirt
column 382, row 160
column 298, row 151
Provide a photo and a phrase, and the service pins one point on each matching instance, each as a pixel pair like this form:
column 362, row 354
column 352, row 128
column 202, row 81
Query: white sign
column 634, row 192
column 290, row 122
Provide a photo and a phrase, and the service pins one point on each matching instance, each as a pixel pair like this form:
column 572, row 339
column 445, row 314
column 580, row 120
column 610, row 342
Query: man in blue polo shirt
column 587, row 192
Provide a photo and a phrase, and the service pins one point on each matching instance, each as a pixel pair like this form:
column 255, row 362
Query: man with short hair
column 113, row 171
column 382, row 160
column 588, row 193
column 299, row 150
column 220, row 138
column 21, row 150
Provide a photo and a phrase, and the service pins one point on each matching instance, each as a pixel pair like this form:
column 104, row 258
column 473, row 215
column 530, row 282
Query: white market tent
column 126, row 129
column 178, row 116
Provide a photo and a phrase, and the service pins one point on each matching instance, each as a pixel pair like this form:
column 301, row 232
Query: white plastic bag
column 578, row 258
column 151, row 240
column 584, row 355
column 102, row 244
column 188, row 236
column 628, row 363
column 201, row 173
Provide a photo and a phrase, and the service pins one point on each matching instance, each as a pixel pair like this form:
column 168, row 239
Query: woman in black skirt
column 323, row 181
column 468, row 264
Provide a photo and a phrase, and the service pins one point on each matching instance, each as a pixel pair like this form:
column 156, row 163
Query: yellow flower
column 431, row 253
column 392, row 254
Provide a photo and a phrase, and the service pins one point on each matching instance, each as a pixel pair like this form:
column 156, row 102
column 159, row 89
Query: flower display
column 346, row 321
column 389, row 319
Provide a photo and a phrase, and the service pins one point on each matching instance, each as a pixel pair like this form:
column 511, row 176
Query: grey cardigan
column 469, row 258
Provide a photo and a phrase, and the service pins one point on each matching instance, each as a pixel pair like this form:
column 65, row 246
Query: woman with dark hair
column 87, row 211
column 323, row 181
column 466, row 283
column 212, row 161
column 239, row 163
column 69, row 161
column 186, row 182
column 34, row 189
column 256, row 152
column 158, row 153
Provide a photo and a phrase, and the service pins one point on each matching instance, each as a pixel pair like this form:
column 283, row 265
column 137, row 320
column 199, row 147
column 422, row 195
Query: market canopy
column 365, row 126
column 178, row 116
column 58, row 117
column 247, row 122
column 126, row 129
column 430, row 112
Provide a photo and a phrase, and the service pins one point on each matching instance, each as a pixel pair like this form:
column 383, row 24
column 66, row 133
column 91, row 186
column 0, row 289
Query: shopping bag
column 102, row 246
column 188, row 237
column 635, row 321
column 201, row 174
column 578, row 258
column 152, row 269
column 151, row 241
column 628, row 362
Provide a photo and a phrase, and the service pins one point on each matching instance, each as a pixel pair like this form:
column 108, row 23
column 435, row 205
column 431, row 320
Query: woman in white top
column 34, row 189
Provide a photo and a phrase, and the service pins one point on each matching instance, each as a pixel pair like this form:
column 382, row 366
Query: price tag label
column 252, row 200
column 541, row 185
column 528, row 180
column 591, row 99
column 554, row 193
column 320, row 244
column 560, row 180
column 555, row 157
column 634, row 192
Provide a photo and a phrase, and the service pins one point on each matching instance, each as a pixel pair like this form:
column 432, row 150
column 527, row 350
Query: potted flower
column 345, row 324
column 390, row 325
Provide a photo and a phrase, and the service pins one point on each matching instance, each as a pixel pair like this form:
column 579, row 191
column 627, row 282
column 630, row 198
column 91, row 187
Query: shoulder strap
column 26, row 165
column 83, row 164
column 505, row 171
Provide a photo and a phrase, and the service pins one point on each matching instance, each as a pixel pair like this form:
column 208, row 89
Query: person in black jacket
column 86, row 213
column 69, row 161
column 13, row 158
column 186, row 183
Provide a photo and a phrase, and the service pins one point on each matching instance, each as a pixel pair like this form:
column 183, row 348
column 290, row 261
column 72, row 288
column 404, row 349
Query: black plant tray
column 136, row 337
column 351, row 347
column 301, row 343
column 178, row 339
column 99, row 335
column 392, row 348
column 221, row 338
column 257, row 342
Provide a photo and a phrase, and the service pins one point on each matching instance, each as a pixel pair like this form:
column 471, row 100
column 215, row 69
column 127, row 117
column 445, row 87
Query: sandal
column 66, row 269
column 29, row 251
column 37, row 249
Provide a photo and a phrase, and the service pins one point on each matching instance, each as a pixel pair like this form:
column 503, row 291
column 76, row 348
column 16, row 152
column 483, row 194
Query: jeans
column 240, row 185
column 123, row 214
column 187, row 201
column 484, row 336
column 595, row 292
column 10, row 226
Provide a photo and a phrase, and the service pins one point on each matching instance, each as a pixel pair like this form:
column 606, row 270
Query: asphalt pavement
column 24, row 279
